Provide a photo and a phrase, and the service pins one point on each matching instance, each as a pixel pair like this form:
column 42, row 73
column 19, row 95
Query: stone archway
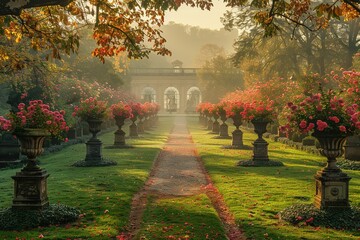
column 193, row 98
column 171, row 99
column 148, row 95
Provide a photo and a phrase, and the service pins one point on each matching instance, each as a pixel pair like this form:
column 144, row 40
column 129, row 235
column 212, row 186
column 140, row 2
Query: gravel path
column 177, row 171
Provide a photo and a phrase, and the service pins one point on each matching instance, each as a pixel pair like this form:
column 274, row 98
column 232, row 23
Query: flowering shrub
column 205, row 108
column 323, row 113
column 259, row 110
column 35, row 115
column 91, row 109
column 121, row 110
column 234, row 108
column 137, row 110
column 220, row 108
column 349, row 82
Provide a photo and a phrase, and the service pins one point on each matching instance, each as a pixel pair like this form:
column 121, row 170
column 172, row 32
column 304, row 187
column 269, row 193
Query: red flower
column 303, row 124
column 321, row 125
column 342, row 128
column 334, row 119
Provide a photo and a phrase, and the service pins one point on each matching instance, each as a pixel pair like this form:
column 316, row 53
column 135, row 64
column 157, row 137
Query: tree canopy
column 132, row 26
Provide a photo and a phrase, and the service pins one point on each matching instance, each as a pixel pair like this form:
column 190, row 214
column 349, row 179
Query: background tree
column 217, row 77
column 292, row 53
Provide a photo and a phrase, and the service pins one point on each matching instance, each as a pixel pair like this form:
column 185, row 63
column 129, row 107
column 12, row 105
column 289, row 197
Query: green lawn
column 255, row 195
column 103, row 194
column 181, row 218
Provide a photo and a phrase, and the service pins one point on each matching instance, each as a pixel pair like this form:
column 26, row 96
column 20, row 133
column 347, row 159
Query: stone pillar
column 237, row 138
column 332, row 190
column 30, row 190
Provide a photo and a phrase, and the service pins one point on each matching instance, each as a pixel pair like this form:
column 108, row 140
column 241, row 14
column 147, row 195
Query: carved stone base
column 260, row 150
column 237, row 138
column 140, row 128
column 216, row 128
column 209, row 124
column 119, row 137
column 223, row 131
column 30, row 190
column 93, row 150
column 133, row 131
column 332, row 190
column 119, row 141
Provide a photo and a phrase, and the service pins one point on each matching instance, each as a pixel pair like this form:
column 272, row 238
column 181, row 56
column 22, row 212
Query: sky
column 197, row 17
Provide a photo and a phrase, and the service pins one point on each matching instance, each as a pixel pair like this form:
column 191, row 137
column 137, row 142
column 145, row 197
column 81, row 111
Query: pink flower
column 342, row 128
column 303, row 124
column 334, row 119
column 311, row 126
column 321, row 125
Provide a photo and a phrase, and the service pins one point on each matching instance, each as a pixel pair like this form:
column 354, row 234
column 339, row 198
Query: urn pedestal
column 94, row 145
column 260, row 152
column 30, row 190
column 209, row 123
column 140, row 126
column 223, row 128
column 119, row 139
column 215, row 125
column 260, row 148
column 332, row 185
column 237, row 134
column 133, row 129
column 94, row 155
column 30, row 184
column 119, row 134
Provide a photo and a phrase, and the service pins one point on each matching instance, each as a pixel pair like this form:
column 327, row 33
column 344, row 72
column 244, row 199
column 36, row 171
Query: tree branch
column 9, row 7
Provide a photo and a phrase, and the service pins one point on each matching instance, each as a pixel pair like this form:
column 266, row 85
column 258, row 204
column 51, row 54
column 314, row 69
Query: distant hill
column 185, row 43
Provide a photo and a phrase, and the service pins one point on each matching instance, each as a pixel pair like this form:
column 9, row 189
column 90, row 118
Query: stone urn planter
column 260, row 150
column 215, row 125
column 94, row 145
column 94, row 155
column 204, row 120
column 237, row 134
column 140, row 125
column 223, row 128
column 209, row 122
column 133, row 128
column 30, row 187
column 332, row 185
column 119, row 135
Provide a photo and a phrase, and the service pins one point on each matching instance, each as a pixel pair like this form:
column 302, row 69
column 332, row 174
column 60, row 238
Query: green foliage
column 305, row 214
column 308, row 141
column 11, row 219
column 349, row 164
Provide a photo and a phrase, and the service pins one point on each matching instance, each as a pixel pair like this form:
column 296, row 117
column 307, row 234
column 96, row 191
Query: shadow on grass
column 178, row 217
